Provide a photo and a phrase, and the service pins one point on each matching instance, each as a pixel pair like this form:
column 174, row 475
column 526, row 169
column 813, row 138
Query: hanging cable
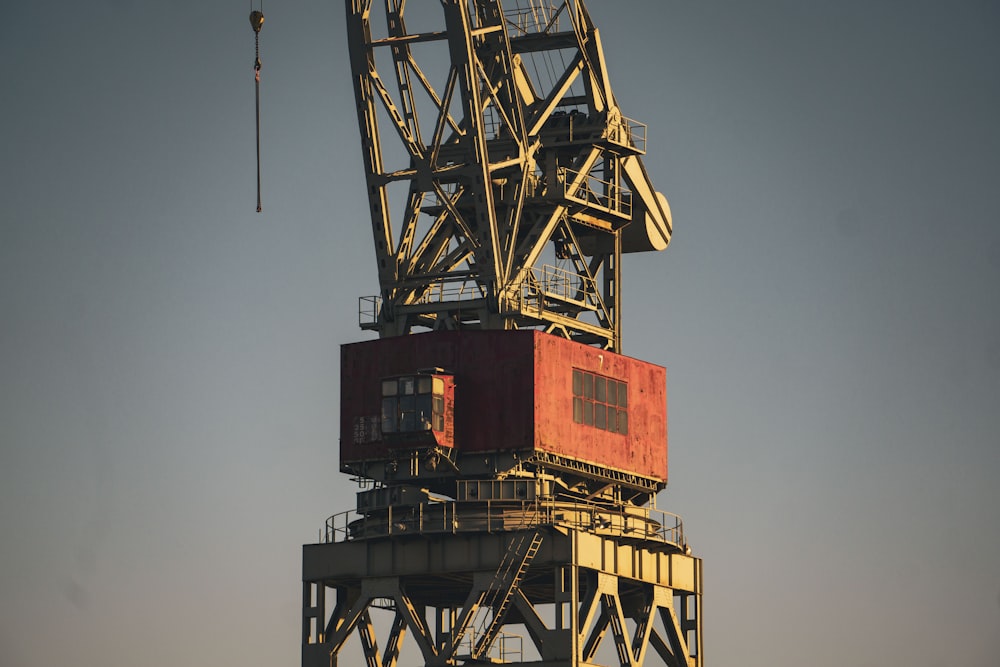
column 256, row 21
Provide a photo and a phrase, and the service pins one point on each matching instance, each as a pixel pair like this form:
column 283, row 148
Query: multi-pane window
column 600, row 401
column 412, row 403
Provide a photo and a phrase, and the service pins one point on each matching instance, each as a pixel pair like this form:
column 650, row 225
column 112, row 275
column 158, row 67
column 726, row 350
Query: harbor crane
column 508, row 453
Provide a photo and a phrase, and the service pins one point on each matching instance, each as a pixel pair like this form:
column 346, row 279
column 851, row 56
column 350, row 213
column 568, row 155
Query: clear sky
column 829, row 315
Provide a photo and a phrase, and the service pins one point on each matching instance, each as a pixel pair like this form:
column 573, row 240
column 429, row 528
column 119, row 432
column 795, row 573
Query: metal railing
column 505, row 648
column 629, row 133
column 460, row 288
column 593, row 191
column 491, row 516
column 368, row 310
column 551, row 282
column 536, row 17
column 451, row 289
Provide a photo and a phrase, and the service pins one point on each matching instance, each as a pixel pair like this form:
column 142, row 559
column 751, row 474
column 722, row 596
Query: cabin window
column 600, row 401
column 437, row 410
column 390, row 408
column 412, row 403
column 407, row 413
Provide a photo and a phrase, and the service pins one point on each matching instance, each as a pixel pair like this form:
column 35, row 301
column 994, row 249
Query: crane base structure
column 541, row 582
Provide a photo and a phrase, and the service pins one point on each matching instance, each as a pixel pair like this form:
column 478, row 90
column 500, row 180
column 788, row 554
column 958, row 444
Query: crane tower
column 508, row 453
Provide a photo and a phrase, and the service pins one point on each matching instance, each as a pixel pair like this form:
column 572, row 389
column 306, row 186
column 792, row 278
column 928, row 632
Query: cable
column 256, row 21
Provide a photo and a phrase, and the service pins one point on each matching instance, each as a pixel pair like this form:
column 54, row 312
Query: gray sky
column 829, row 315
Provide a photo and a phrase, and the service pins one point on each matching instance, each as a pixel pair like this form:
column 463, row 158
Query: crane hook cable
column 256, row 21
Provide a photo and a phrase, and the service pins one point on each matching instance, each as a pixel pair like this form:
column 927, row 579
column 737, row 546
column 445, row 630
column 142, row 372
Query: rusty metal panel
column 642, row 449
column 514, row 390
column 492, row 395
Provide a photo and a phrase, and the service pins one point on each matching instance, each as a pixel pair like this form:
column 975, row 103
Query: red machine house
column 459, row 401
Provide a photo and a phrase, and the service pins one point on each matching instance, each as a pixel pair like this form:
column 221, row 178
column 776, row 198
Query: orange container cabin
column 471, row 404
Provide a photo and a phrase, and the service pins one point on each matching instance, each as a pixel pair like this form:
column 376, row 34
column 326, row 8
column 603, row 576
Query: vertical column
column 566, row 596
column 690, row 622
column 313, row 612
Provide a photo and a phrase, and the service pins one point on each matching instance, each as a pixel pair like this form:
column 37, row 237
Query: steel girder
column 503, row 181
column 451, row 597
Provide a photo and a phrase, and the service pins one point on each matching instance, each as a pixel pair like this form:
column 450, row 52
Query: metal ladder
column 520, row 553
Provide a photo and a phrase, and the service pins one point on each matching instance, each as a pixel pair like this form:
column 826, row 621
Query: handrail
column 458, row 288
column 458, row 516
column 461, row 288
column 593, row 191
column 505, row 648
column 554, row 282
column 538, row 17
column 629, row 133
column 545, row 281
column 368, row 310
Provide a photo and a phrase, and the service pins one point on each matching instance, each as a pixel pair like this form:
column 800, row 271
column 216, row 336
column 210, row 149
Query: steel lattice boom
column 504, row 183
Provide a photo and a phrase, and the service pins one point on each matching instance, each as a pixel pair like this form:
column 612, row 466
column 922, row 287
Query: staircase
column 521, row 555
column 498, row 596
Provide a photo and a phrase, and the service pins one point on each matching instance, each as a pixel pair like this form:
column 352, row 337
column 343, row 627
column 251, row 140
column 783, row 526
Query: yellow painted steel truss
column 494, row 147
column 545, row 596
